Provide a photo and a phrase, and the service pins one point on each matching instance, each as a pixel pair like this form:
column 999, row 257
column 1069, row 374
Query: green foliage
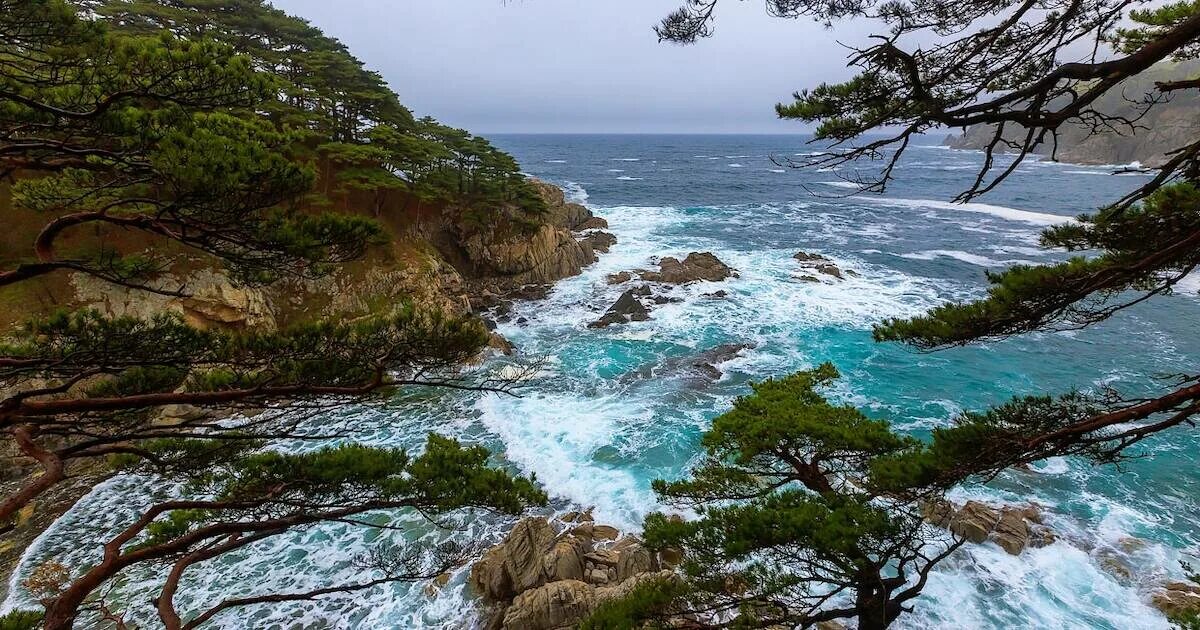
column 443, row 478
column 21, row 620
column 1144, row 248
column 1153, row 23
column 161, row 354
column 794, row 508
column 637, row 610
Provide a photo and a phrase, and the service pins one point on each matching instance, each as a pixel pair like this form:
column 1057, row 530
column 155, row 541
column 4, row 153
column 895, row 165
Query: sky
column 584, row 66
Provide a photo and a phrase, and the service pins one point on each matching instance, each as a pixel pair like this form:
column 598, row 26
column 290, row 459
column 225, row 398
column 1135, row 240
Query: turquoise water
column 595, row 432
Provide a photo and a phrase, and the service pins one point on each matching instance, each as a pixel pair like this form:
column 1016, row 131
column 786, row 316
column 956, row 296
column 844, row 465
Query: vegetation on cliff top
column 213, row 126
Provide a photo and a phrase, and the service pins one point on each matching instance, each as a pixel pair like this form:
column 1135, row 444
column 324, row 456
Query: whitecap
column 627, row 178
column 850, row 185
column 627, row 159
column 736, row 165
column 556, row 161
column 1011, row 214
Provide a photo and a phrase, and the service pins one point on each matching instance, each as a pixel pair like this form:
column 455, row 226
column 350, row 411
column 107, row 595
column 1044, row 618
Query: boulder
column 807, row 257
column 592, row 223
column 1177, row 598
column 1013, row 528
column 830, row 269
column 626, row 309
column 633, row 560
column 605, row 532
column 619, row 278
column 600, row 241
column 565, row 560
column 696, row 266
column 1011, row 532
column 974, row 521
column 554, row 605
column 515, row 565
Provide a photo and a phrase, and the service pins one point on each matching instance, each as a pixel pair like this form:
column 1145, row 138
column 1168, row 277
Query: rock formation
column 818, row 264
column 1013, row 528
column 693, row 268
column 627, row 308
column 537, row 579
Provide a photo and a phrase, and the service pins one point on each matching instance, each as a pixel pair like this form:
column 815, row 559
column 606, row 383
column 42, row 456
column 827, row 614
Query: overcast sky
column 583, row 65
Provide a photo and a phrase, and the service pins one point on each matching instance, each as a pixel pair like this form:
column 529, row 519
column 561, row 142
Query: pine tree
column 194, row 145
column 800, row 520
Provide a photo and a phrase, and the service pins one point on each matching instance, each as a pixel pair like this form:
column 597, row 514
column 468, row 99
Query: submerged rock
column 700, row 367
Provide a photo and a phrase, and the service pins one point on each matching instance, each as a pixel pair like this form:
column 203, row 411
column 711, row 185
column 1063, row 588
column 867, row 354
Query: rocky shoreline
column 552, row 573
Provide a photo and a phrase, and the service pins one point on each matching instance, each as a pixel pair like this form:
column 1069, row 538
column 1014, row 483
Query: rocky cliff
column 437, row 262
column 1164, row 127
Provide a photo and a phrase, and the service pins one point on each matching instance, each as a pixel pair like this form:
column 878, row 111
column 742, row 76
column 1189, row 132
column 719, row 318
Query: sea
column 610, row 411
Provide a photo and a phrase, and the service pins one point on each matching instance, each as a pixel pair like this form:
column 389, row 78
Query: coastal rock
column 549, row 254
column 820, row 264
column 700, row 368
column 515, row 565
column 627, row 308
column 696, row 266
column 565, row 560
column 600, row 241
column 807, row 257
column 1177, row 598
column 634, row 560
column 213, row 301
column 1012, row 528
column 592, row 223
column 555, row 605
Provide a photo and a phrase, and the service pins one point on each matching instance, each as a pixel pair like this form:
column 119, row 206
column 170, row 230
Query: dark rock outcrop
column 696, row 266
column 627, row 308
column 819, row 264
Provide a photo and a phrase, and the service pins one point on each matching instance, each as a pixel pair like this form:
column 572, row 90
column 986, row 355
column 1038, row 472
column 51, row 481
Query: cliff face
column 433, row 261
column 1164, row 127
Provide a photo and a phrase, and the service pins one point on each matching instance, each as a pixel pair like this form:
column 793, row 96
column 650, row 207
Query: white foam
column 848, row 185
column 1010, row 214
column 967, row 257
column 556, row 161
column 627, row 159
column 626, row 178
column 575, row 192
column 736, row 165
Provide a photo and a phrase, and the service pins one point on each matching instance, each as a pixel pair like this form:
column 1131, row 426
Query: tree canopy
column 210, row 128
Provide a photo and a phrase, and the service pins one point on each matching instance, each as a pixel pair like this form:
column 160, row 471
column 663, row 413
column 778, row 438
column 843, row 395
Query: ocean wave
column 840, row 184
column 575, row 192
column 967, row 257
column 556, row 161
column 627, row 159
column 736, row 165
column 626, row 178
column 1003, row 212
